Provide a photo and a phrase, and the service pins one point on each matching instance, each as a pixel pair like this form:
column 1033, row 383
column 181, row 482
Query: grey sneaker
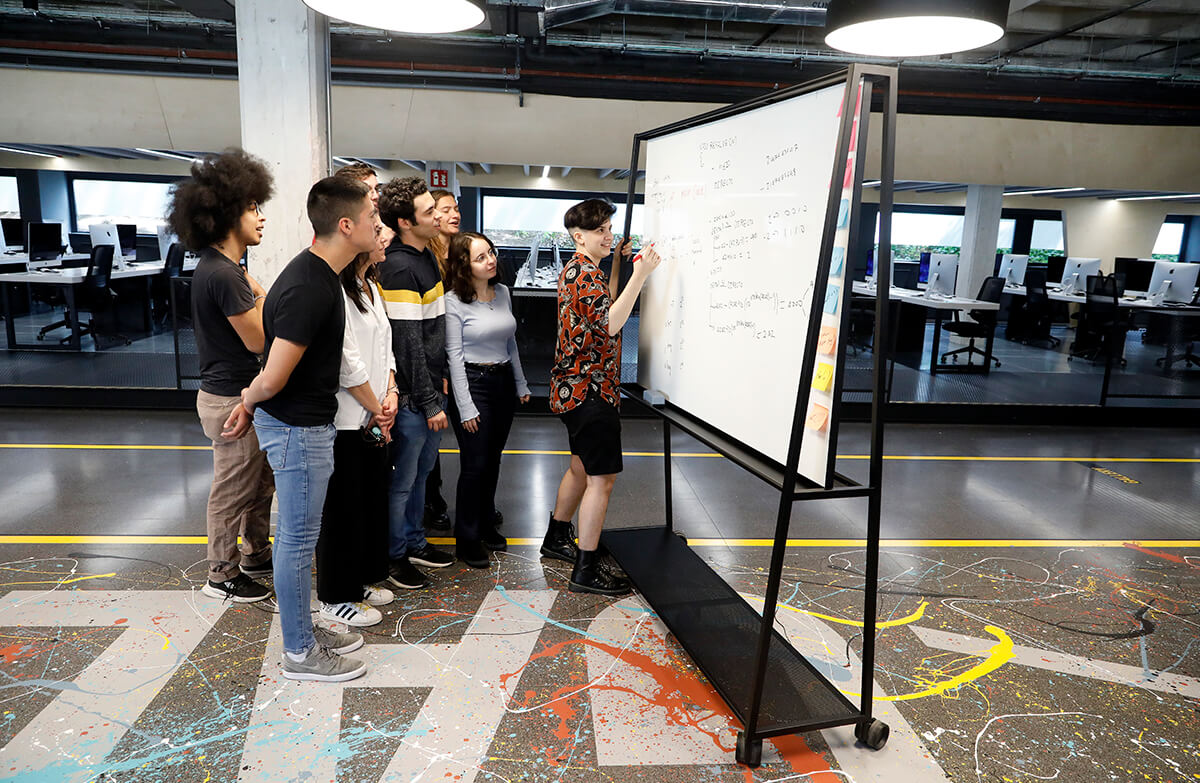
column 340, row 643
column 323, row 665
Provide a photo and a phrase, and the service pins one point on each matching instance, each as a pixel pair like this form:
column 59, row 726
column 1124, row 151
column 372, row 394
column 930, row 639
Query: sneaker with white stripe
column 351, row 613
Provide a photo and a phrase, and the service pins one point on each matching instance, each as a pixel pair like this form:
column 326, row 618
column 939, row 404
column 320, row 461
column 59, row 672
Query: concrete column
column 981, row 229
column 283, row 89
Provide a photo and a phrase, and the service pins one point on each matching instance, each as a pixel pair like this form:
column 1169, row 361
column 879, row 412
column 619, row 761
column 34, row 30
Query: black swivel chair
column 1030, row 322
column 1102, row 327
column 983, row 325
column 96, row 297
column 160, row 287
column 100, row 262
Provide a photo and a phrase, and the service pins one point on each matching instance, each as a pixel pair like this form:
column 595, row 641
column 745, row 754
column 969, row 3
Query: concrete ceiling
column 1135, row 61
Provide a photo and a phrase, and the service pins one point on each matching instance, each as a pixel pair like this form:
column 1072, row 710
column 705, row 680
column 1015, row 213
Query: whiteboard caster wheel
column 748, row 753
column 682, row 537
column 873, row 734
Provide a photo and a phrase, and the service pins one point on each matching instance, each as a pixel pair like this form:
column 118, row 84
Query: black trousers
column 494, row 393
column 352, row 549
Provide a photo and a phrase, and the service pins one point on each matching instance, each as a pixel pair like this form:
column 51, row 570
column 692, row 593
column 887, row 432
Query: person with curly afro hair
column 216, row 213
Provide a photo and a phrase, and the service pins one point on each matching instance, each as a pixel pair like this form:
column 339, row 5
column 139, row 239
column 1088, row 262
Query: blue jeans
column 302, row 458
column 415, row 449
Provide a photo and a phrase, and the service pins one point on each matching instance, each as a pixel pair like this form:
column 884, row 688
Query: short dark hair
column 459, row 278
column 332, row 199
column 396, row 201
column 207, row 206
column 589, row 214
column 439, row 194
column 357, row 170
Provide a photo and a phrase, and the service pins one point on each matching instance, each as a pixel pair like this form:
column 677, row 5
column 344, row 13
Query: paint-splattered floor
column 994, row 665
column 1064, row 661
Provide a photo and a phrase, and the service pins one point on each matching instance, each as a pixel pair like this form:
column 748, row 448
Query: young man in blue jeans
column 413, row 296
column 296, row 399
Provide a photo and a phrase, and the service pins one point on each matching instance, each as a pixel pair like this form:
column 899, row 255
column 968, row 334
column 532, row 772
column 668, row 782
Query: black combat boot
column 589, row 577
column 559, row 542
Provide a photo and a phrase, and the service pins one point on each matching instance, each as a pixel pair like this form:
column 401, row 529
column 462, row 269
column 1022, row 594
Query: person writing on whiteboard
column 584, row 390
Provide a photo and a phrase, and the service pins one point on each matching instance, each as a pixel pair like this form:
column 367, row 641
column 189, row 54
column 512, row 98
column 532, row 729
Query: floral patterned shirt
column 585, row 356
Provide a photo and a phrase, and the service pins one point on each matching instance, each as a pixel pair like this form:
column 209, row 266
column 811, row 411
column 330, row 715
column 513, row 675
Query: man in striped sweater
column 412, row 295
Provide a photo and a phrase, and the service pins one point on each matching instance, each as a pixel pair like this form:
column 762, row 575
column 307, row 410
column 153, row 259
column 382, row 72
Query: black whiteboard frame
column 874, row 81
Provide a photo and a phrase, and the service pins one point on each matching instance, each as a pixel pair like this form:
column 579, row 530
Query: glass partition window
column 1169, row 242
column 520, row 221
column 113, row 201
column 10, row 207
column 1047, row 240
column 1004, row 240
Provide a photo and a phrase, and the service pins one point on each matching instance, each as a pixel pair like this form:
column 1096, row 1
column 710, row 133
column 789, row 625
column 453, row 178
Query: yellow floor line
column 674, row 454
column 794, row 543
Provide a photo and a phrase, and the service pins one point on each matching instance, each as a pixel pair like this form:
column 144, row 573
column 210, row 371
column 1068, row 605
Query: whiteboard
column 736, row 207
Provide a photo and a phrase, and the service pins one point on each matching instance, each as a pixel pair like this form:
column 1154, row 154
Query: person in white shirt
column 352, row 551
column 486, row 381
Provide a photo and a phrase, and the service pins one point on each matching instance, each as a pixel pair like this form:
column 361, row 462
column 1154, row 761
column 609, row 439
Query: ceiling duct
column 799, row 13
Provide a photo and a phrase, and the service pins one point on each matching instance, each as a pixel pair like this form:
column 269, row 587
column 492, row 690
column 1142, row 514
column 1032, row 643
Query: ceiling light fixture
column 161, row 154
column 1160, row 198
column 545, row 171
column 1041, row 192
column 404, row 16
column 913, row 28
column 872, row 184
column 28, row 152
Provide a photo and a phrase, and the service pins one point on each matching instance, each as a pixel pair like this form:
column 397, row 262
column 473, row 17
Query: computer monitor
column 943, row 271
column 1077, row 271
column 1176, row 281
column 904, row 274
column 127, row 236
column 166, row 237
column 1012, row 269
column 14, row 233
column 80, row 241
column 43, row 241
column 871, row 263
column 106, row 234
column 923, row 274
column 1137, row 271
column 996, row 264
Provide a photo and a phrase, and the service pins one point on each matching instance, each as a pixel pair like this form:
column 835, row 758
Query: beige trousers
column 240, row 500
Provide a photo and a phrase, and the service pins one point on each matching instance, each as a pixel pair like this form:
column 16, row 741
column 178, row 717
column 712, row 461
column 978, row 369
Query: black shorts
column 594, row 432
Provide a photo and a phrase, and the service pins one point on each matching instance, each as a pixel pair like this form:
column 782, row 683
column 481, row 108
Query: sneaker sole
column 309, row 676
column 237, row 599
column 578, row 588
column 402, row 586
column 428, row 563
column 556, row 555
column 359, row 624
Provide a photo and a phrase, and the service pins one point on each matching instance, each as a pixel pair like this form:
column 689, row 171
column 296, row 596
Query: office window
column 114, row 201
column 1004, row 240
column 517, row 221
column 9, row 205
column 916, row 232
column 1169, row 242
column 1047, row 239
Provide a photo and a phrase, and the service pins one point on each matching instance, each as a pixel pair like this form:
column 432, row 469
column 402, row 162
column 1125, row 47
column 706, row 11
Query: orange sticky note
column 827, row 340
column 818, row 418
column 823, row 377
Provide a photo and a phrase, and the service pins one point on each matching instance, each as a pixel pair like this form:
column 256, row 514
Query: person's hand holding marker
column 646, row 261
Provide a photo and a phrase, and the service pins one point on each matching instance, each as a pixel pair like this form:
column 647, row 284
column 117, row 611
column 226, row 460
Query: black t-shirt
column 219, row 290
column 304, row 306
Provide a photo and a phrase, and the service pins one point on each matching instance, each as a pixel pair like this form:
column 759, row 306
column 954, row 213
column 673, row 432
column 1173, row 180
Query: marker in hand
column 638, row 257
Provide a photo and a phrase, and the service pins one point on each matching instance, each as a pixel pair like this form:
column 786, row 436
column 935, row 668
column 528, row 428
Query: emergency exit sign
column 439, row 178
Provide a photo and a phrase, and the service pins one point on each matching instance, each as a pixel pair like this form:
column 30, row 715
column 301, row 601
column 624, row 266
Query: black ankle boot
column 588, row 577
column 559, row 542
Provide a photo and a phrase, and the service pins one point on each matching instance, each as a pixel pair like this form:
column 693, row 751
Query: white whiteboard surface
column 736, row 208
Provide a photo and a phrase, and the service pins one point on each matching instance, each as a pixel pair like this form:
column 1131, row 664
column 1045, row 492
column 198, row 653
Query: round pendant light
column 913, row 28
column 403, row 16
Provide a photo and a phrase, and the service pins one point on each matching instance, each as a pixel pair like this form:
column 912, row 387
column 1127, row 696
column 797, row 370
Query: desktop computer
column 14, row 234
column 166, row 237
column 923, row 270
column 43, row 241
column 1012, row 269
column 1076, row 271
column 127, row 236
column 106, row 234
column 1137, row 271
column 943, row 271
column 1173, row 282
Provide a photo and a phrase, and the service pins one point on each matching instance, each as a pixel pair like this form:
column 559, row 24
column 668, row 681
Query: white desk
column 939, row 307
column 67, row 279
column 23, row 258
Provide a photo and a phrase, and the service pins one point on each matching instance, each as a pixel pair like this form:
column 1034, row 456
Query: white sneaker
column 373, row 595
column 351, row 613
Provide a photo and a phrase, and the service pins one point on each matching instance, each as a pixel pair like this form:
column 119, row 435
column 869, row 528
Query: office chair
column 99, row 253
column 862, row 324
column 1030, row 323
column 1101, row 329
column 161, row 285
column 984, row 322
column 95, row 296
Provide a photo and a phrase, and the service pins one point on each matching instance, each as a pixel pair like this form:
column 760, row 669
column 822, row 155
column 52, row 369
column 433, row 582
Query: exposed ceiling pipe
column 1041, row 39
column 779, row 12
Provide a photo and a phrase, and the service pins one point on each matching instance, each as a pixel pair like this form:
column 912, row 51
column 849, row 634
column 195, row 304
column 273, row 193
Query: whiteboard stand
column 770, row 687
